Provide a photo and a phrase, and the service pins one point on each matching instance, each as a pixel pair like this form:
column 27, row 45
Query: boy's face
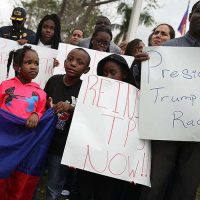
column 76, row 63
column 114, row 71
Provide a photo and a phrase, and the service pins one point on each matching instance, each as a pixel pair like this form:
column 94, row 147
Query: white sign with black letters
column 170, row 94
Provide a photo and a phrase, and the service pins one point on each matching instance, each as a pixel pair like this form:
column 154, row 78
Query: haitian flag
column 182, row 26
column 22, row 154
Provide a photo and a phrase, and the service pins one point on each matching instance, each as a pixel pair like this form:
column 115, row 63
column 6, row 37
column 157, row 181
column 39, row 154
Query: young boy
column 63, row 89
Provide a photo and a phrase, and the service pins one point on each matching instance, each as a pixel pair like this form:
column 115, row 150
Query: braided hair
column 17, row 57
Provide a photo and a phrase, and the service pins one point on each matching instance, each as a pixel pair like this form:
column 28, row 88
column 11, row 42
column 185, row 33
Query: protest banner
column 46, row 56
column 95, row 56
column 170, row 95
column 103, row 136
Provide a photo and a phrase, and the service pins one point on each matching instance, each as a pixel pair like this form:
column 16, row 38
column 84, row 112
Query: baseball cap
column 18, row 14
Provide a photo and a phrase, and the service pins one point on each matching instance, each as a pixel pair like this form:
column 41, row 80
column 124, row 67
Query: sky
column 170, row 11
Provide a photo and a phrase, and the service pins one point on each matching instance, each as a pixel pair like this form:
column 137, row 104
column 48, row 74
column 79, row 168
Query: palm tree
column 125, row 10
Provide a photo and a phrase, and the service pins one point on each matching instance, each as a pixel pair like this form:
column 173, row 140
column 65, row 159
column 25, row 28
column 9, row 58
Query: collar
column 16, row 79
column 192, row 40
column 43, row 45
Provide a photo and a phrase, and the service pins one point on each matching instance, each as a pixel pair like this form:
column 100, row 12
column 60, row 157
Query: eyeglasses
column 100, row 42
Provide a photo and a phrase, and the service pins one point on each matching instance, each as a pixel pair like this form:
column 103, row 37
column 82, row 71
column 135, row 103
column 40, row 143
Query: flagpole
column 134, row 20
column 183, row 24
column 187, row 18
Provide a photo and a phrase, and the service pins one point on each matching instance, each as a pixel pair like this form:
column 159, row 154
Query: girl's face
column 138, row 49
column 114, row 71
column 101, row 41
column 30, row 67
column 76, row 63
column 160, row 35
column 47, row 32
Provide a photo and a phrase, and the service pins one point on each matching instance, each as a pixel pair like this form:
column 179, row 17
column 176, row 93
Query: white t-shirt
column 43, row 45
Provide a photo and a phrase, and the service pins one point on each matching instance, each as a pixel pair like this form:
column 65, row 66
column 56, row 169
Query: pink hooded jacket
column 22, row 99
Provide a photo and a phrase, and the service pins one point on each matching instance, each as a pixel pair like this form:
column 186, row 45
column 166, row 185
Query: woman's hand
column 140, row 57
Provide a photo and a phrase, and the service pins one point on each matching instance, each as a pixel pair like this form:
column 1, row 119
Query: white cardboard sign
column 170, row 94
column 103, row 136
column 95, row 56
column 46, row 56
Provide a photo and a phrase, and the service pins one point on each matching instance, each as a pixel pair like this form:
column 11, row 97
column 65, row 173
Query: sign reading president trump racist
column 103, row 137
column 170, row 94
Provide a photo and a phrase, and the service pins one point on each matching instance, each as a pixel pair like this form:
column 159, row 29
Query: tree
column 76, row 13
column 125, row 10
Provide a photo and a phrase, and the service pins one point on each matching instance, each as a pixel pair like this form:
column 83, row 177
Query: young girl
column 101, row 39
column 95, row 186
column 115, row 67
column 48, row 32
column 134, row 48
column 22, row 97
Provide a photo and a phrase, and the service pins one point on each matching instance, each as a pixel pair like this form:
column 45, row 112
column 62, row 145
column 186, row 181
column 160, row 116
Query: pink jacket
column 22, row 99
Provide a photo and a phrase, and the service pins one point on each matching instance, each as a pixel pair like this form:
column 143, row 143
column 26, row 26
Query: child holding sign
column 99, row 187
column 63, row 89
column 115, row 67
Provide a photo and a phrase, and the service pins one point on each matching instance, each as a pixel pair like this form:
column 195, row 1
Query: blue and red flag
column 22, row 154
column 182, row 26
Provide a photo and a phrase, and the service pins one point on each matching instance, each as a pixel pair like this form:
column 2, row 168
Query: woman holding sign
column 161, row 34
column 179, row 156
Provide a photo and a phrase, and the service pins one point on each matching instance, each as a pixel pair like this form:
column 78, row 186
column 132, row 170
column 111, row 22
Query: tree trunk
column 85, row 17
column 62, row 8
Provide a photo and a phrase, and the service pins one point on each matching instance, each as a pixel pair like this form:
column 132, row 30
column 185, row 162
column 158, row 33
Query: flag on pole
column 182, row 26
column 22, row 154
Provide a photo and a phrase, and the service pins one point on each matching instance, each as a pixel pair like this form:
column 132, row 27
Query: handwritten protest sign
column 103, row 137
column 170, row 95
column 46, row 56
column 95, row 56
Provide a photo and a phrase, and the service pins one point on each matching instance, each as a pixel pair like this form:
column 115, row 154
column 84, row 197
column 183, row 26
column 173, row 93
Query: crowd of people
column 175, row 165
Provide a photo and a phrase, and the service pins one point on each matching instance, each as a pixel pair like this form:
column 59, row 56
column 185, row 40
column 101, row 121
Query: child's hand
column 50, row 102
column 22, row 41
column 55, row 62
column 32, row 121
column 61, row 107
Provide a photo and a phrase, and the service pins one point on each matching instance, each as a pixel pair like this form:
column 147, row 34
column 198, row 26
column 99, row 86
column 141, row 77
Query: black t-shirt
column 56, row 89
